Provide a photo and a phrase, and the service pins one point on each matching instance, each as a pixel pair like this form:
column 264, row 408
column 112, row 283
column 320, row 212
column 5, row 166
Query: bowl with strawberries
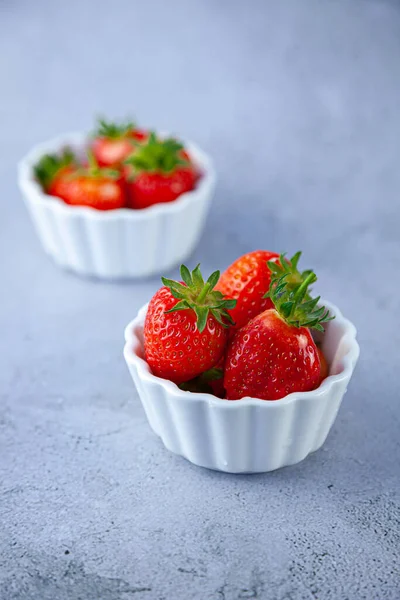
column 123, row 202
column 243, row 372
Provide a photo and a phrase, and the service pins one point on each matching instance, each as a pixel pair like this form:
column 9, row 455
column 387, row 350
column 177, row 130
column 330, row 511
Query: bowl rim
column 33, row 191
column 349, row 362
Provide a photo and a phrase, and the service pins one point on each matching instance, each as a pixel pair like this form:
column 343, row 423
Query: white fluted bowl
column 248, row 435
column 120, row 243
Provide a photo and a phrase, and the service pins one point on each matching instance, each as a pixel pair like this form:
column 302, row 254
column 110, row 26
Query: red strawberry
column 217, row 386
column 216, row 378
column 209, row 382
column 186, row 327
column 158, row 172
column 81, row 186
column 113, row 143
column 102, row 192
column 52, row 168
column 60, row 184
column 275, row 354
column 248, row 279
column 324, row 366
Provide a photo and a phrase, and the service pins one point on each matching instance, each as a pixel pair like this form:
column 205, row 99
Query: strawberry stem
column 301, row 291
column 93, row 165
column 157, row 155
column 292, row 300
column 108, row 129
column 203, row 293
column 199, row 296
column 288, row 267
column 94, row 170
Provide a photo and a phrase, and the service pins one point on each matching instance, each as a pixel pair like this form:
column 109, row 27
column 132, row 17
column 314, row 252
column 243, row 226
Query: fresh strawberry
column 209, row 382
column 275, row 354
column 61, row 183
column 249, row 277
column 52, row 168
column 216, row 377
column 93, row 186
column 186, row 327
column 217, row 385
column 247, row 280
column 158, row 172
column 324, row 366
column 113, row 143
column 100, row 191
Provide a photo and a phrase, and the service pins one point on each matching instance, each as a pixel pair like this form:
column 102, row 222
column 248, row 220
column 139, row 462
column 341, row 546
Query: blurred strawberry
column 51, row 170
column 91, row 185
column 157, row 172
column 113, row 142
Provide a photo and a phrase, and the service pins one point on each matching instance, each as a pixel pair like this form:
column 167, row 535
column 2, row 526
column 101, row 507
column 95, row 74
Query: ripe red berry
column 113, row 143
column 275, row 354
column 246, row 280
column 158, row 172
column 186, row 327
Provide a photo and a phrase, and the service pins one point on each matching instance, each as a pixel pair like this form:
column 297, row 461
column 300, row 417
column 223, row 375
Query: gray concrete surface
column 298, row 101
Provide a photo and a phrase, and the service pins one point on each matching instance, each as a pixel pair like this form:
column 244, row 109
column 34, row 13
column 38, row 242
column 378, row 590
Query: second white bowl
column 248, row 435
column 121, row 243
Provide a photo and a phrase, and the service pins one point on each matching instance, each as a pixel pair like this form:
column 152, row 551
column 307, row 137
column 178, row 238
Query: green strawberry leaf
column 200, row 297
column 157, row 155
column 289, row 292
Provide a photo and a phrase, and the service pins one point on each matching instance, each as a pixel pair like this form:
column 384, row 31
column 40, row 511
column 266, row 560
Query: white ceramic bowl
column 248, row 435
column 121, row 243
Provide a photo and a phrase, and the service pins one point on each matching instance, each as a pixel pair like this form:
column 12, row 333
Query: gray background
column 298, row 102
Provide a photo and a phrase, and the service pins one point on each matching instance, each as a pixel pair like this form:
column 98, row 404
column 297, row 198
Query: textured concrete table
column 299, row 104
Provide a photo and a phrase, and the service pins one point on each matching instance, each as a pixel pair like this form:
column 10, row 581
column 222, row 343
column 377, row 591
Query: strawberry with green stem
column 249, row 277
column 186, row 326
column 114, row 142
column 287, row 269
column 157, row 172
column 89, row 185
column 52, row 169
column 275, row 354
